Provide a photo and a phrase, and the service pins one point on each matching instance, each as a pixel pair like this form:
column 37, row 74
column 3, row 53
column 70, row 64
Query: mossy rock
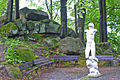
column 36, row 36
column 48, row 21
column 104, row 45
column 9, row 29
column 108, row 52
column 71, row 46
column 25, row 54
column 51, row 42
column 99, row 50
column 13, row 71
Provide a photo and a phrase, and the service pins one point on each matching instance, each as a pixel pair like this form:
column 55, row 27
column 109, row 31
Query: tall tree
column 9, row 10
column 49, row 10
column 63, row 18
column 17, row 9
column 103, row 21
column 75, row 10
column 81, row 20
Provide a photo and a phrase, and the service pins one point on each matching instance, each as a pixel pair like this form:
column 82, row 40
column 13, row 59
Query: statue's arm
column 95, row 30
column 86, row 31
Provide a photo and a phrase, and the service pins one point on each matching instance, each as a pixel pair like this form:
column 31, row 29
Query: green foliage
column 114, row 38
column 14, row 54
column 3, row 5
column 113, row 19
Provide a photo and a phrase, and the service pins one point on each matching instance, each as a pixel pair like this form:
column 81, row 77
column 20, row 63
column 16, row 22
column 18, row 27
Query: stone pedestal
column 92, row 64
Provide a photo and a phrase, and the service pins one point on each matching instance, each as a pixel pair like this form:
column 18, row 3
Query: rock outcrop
column 32, row 14
column 33, row 27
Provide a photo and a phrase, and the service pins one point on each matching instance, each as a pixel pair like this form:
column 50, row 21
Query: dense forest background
column 76, row 14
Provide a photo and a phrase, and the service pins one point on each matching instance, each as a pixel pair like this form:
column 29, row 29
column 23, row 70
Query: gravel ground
column 1, row 52
column 75, row 73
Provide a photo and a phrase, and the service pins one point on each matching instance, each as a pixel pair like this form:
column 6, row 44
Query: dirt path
column 2, row 52
column 75, row 73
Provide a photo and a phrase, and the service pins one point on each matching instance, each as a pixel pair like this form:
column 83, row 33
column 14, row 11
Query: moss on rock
column 9, row 29
column 13, row 71
column 25, row 54
column 36, row 36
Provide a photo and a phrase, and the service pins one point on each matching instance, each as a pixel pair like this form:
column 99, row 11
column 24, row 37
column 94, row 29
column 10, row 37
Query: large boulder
column 104, row 48
column 13, row 71
column 32, row 14
column 71, row 46
column 9, row 29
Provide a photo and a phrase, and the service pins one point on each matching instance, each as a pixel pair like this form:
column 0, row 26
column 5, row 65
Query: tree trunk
column 10, row 10
column 51, row 9
column 76, row 28
column 103, row 21
column 63, row 18
column 17, row 9
column 81, row 23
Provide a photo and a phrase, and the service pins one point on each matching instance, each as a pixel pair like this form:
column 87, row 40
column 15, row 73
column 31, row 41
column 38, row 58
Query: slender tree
column 81, row 21
column 63, row 18
column 9, row 10
column 49, row 10
column 17, row 9
column 75, row 8
column 103, row 21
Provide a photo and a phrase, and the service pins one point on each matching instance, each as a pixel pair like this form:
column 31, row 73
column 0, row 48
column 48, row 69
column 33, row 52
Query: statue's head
column 91, row 26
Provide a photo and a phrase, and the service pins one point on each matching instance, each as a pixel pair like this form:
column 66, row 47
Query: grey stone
column 72, row 46
column 42, row 28
column 49, row 42
column 30, row 25
column 22, row 27
column 14, row 32
column 13, row 71
column 36, row 28
column 52, row 28
column 71, row 33
column 32, row 14
column 1, row 66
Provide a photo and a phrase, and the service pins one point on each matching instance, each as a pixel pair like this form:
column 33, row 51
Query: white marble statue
column 90, row 45
column 92, row 65
column 92, row 61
